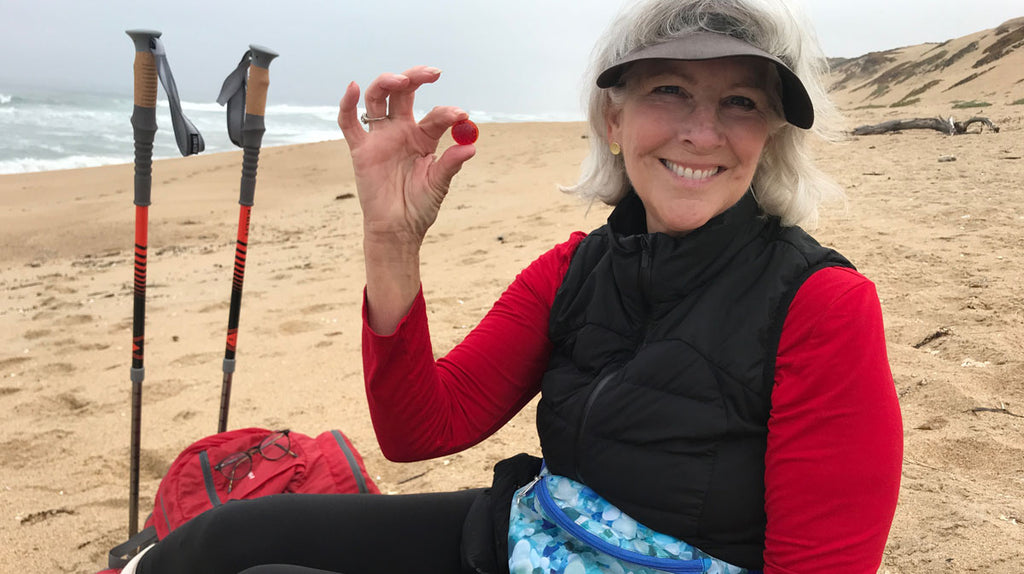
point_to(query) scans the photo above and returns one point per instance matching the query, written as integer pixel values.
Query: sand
(942, 240)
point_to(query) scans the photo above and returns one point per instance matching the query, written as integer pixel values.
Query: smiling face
(691, 133)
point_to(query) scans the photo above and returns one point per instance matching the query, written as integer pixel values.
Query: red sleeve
(422, 408)
(835, 437)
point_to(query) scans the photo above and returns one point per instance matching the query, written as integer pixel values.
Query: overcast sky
(512, 56)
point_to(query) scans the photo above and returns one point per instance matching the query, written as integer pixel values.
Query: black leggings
(319, 533)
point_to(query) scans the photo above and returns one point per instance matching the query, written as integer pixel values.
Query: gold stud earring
(615, 148)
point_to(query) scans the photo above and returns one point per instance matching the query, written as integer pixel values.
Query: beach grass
(970, 104)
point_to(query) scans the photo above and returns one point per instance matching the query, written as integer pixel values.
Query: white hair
(786, 183)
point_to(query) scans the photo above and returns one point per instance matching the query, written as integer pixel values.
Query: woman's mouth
(690, 173)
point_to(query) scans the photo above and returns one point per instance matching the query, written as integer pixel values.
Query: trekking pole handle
(145, 67)
(144, 114)
(253, 126)
(259, 79)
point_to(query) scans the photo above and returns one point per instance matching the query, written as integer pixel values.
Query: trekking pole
(144, 128)
(248, 134)
(150, 66)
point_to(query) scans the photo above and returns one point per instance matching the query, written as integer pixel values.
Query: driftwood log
(947, 126)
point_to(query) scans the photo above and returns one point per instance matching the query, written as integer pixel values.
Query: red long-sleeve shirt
(835, 445)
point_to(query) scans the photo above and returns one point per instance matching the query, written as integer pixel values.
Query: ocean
(46, 130)
(43, 130)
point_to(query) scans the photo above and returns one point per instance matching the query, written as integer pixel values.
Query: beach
(942, 240)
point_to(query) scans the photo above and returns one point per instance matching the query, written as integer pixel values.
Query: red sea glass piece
(464, 132)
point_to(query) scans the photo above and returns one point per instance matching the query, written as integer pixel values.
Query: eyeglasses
(237, 465)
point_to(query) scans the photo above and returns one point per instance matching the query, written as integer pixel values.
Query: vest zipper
(583, 419)
(645, 289)
(645, 268)
(646, 286)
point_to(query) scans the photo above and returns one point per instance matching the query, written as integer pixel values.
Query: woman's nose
(702, 127)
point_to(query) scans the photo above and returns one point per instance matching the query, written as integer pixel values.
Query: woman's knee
(223, 530)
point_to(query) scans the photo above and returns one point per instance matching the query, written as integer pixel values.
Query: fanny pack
(558, 525)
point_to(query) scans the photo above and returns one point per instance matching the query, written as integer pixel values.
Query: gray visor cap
(708, 45)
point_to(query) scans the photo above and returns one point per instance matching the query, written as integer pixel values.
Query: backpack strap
(211, 490)
(123, 552)
(352, 463)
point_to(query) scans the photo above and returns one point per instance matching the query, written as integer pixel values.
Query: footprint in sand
(296, 327)
(8, 364)
(71, 402)
(194, 359)
(160, 390)
(215, 307)
(59, 343)
(57, 406)
(185, 415)
(477, 256)
(93, 346)
(55, 304)
(24, 449)
(33, 334)
(72, 320)
(153, 463)
(57, 369)
(318, 308)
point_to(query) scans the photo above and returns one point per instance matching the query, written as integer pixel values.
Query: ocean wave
(195, 106)
(32, 164)
(327, 113)
(58, 130)
(46, 117)
(303, 137)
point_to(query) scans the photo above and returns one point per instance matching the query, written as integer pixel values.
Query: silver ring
(367, 119)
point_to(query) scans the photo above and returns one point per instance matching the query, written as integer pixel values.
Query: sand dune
(973, 72)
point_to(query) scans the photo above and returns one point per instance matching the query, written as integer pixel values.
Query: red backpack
(247, 463)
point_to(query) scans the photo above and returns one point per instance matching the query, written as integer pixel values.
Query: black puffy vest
(658, 390)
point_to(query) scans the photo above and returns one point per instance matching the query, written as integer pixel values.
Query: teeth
(688, 173)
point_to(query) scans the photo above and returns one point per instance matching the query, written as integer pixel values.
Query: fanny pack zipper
(667, 564)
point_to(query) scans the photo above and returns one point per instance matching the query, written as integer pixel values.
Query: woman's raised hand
(400, 181)
(401, 184)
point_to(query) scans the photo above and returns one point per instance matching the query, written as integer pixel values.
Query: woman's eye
(741, 102)
(674, 90)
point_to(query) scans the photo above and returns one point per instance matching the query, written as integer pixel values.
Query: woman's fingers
(348, 121)
(444, 169)
(377, 93)
(438, 120)
(391, 96)
(401, 104)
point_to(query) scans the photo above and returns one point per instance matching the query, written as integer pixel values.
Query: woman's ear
(776, 126)
(612, 119)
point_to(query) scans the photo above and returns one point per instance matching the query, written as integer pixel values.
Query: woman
(706, 369)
